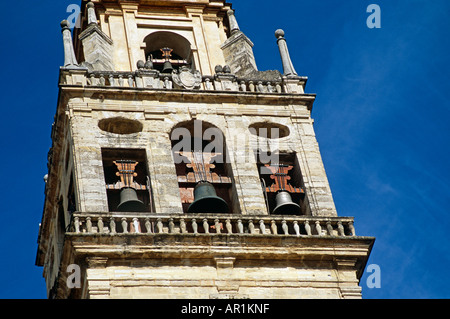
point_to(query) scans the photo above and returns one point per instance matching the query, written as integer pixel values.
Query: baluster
(308, 228)
(194, 226)
(111, 80)
(341, 229)
(296, 228)
(269, 87)
(262, 227)
(120, 80)
(92, 79)
(208, 84)
(284, 226)
(217, 225)
(273, 227)
(102, 80)
(130, 80)
(77, 224)
(159, 226)
(318, 228)
(148, 225)
(240, 226)
(89, 224)
(183, 226)
(329, 228)
(136, 225)
(251, 227)
(100, 225)
(278, 88)
(243, 86)
(171, 226)
(112, 225)
(124, 225)
(352, 228)
(229, 226)
(206, 225)
(167, 83)
(260, 87)
(251, 86)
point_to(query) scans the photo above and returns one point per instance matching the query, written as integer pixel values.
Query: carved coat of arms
(187, 79)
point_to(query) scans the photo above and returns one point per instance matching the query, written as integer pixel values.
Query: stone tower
(180, 170)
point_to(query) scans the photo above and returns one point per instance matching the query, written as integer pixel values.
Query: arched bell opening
(168, 51)
(203, 171)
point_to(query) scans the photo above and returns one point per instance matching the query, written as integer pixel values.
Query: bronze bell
(129, 201)
(285, 205)
(206, 200)
(168, 68)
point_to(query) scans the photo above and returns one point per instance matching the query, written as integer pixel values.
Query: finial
(149, 63)
(65, 25)
(92, 18)
(218, 69)
(70, 60)
(279, 33)
(226, 69)
(140, 64)
(234, 27)
(288, 67)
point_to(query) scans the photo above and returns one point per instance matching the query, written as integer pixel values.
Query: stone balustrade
(152, 79)
(144, 223)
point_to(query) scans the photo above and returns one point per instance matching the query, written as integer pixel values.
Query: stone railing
(152, 79)
(144, 223)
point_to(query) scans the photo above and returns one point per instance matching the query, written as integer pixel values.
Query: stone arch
(182, 47)
(195, 137)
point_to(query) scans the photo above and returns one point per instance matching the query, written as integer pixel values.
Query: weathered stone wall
(80, 156)
(201, 267)
(200, 279)
(160, 118)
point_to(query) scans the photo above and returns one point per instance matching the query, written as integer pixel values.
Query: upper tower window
(163, 47)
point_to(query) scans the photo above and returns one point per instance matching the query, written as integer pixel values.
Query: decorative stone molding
(224, 262)
(96, 262)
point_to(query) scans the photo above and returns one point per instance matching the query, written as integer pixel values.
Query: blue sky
(381, 119)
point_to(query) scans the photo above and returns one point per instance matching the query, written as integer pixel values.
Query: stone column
(92, 18)
(288, 67)
(70, 61)
(234, 27)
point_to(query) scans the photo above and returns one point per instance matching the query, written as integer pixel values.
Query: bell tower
(180, 170)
